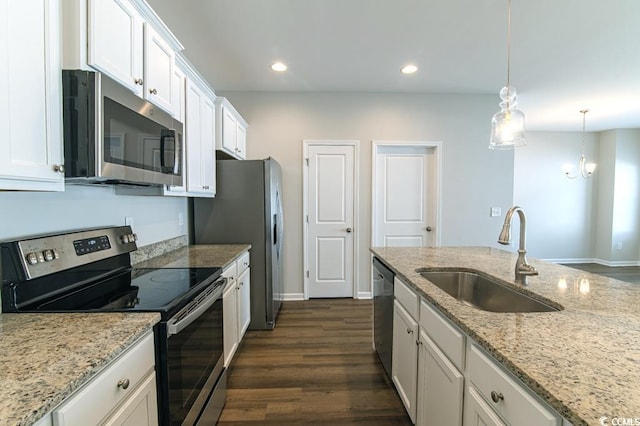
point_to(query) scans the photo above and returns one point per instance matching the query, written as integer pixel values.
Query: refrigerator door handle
(275, 229)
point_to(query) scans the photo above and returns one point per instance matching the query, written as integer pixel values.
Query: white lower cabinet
(404, 366)
(444, 378)
(440, 387)
(477, 412)
(236, 305)
(122, 394)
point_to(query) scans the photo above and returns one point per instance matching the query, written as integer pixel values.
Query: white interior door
(330, 234)
(404, 194)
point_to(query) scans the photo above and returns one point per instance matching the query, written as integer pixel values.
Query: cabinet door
(30, 110)
(404, 367)
(241, 142)
(477, 412)
(199, 138)
(440, 387)
(244, 302)
(159, 63)
(140, 409)
(229, 131)
(116, 42)
(230, 320)
(207, 146)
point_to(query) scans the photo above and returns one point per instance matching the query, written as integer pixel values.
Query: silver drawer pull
(496, 397)
(409, 331)
(123, 383)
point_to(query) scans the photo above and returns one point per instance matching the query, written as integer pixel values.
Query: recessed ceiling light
(409, 69)
(279, 67)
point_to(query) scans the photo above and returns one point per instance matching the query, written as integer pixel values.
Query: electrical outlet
(180, 219)
(619, 246)
(495, 212)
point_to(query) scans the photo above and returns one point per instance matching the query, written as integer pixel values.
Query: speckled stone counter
(44, 358)
(584, 360)
(198, 256)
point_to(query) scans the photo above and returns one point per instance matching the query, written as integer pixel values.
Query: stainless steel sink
(484, 292)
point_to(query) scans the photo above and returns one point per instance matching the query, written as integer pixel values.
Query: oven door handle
(175, 326)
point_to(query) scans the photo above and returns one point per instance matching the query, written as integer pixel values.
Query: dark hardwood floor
(629, 274)
(316, 367)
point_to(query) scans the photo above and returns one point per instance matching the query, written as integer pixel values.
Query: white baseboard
(571, 260)
(610, 263)
(365, 295)
(292, 296)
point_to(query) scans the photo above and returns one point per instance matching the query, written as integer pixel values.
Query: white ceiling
(566, 55)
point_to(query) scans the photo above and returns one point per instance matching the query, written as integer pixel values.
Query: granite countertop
(584, 360)
(44, 357)
(197, 256)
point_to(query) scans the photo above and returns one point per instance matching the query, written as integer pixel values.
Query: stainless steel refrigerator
(247, 208)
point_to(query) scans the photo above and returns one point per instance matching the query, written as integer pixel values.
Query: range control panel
(46, 255)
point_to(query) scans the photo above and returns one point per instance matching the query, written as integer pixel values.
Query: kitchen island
(584, 360)
(46, 357)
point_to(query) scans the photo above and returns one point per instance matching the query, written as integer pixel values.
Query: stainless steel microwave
(113, 136)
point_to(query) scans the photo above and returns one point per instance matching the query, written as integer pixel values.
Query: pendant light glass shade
(507, 125)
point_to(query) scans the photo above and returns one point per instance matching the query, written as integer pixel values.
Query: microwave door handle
(176, 326)
(164, 135)
(177, 154)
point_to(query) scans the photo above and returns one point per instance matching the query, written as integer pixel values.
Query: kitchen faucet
(523, 269)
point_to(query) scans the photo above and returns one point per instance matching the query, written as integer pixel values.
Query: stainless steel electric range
(90, 271)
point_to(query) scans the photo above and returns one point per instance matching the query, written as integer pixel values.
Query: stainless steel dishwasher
(382, 283)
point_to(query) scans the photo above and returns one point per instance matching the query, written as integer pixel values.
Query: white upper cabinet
(159, 59)
(30, 105)
(126, 41)
(231, 131)
(116, 41)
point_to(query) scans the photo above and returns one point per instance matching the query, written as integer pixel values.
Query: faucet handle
(526, 269)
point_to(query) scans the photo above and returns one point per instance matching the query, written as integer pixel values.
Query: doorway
(405, 194)
(330, 218)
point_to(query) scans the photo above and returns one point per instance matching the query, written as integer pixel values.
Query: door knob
(428, 228)
(349, 230)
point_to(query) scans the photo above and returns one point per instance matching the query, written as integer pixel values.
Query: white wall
(474, 178)
(560, 211)
(78, 207)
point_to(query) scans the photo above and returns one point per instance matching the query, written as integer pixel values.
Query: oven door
(195, 358)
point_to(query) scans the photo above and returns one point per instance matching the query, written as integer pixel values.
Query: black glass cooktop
(159, 290)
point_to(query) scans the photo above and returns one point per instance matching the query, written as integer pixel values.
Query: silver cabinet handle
(409, 331)
(123, 383)
(58, 168)
(205, 187)
(428, 228)
(138, 81)
(496, 397)
(349, 230)
(153, 91)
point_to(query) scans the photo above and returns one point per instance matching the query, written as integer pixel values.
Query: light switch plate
(495, 212)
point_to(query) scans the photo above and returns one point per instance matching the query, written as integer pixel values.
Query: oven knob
(48, 255)
(125, 238)
(133, 237)
(32, 258)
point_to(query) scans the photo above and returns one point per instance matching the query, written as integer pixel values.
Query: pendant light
(585, 169)
(507, 125)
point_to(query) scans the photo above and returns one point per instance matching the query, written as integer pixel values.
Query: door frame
(437, 196)
(305, 208)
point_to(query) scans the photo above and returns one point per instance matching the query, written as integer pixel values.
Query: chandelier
(584, 169)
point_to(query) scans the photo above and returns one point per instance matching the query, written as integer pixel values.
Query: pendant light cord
(509, 45)
(584, 117)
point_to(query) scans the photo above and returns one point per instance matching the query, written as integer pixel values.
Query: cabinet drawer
(243, 263)
(446, 336)
(517, 406)
(231, 271)
(407, 297)
(100, 396)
